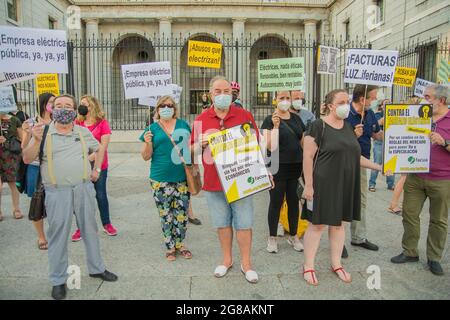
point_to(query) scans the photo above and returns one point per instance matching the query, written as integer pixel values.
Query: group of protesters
(65, 147)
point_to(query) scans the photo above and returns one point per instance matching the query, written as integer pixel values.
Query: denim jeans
(378, 158)
(102, 197)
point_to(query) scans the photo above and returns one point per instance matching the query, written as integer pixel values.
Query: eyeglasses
(166, 106)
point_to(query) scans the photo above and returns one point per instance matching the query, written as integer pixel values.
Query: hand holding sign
(359, 130)
(436, 138)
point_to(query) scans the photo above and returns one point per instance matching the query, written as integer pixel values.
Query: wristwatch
(98, 170)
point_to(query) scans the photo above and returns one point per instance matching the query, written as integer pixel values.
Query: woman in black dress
(332, 182)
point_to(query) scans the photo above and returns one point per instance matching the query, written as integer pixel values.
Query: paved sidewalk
(137, 255)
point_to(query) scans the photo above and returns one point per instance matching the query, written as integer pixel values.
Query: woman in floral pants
(167, 175)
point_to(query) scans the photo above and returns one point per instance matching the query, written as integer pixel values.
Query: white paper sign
(173, 90)
(7, 79)
(420, 87)
(7, 102)
(327, 60)
(28, 50)
(371, 67)
(146, 79)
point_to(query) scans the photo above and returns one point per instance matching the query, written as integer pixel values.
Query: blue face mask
(223, 101)
(166, 113)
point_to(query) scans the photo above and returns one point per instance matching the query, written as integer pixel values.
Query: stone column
(325, 30)
(311, 30)
(238, 58)
(92, 63)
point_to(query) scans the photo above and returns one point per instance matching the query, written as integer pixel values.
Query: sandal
(343, 272)
(185, 253)
(43, 245)
(397, 212)
(314, 281)
(19, 216)
(171, 255)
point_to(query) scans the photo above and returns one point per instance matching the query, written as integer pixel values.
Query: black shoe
(195, 221)
(105, 276)
(344, 253)
(435, 268)
(401, 258)
(59, 292)
(366, 245)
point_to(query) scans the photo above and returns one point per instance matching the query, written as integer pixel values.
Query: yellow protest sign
(405, 77)
(204, 54)
(47, 83)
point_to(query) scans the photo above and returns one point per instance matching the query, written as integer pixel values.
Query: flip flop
(396, 212)
(42, 245)
(343, 272)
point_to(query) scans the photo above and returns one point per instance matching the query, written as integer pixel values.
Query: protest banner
(281, 74)
(405, 77)
(174, 90)
(146, 79)
(443, 75)
(406, 138)
(7, 101)
(204, 54)
(47, 83)
(420, 87)
(9, 78)
(239, 162)
(29, 50)
(370, 67)
(327, 60)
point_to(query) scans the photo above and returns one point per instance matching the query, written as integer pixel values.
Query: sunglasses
(167, 106)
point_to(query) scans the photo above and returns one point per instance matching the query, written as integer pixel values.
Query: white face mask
(284, 105)
(343, 111)
(297, 104)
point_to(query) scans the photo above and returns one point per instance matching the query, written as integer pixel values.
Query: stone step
(125, 141)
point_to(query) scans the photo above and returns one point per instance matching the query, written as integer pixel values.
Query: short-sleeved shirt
(208, 122)
(290, 133)
(440, 158)
(98, 130)
(166, 165)
(371, 126)
(68, 161)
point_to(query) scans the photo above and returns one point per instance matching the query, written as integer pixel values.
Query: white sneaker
(280, 230)
(272, 245)
(296, 243)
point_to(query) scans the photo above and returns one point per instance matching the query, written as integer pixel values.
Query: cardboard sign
(174, 90)
(11, 78)
(28, 50)
(327, 60)
(370, 67)
(281, 74)
(47, 83)
(204, 54)
(146, 79)
(420, 87)
(239, 162)
(7, 102)
(443, 74)
(407, 144)
(405, 77)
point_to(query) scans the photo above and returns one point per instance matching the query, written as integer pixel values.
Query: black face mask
(83, 110)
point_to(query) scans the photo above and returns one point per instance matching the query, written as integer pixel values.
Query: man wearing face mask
(299, 108)
(236, 89)
(360, 113)
(434, 185)
(67, 180)
(238, 215)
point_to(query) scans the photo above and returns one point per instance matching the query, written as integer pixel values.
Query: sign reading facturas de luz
(371, 67)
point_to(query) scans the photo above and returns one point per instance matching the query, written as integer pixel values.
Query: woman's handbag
(37, 205)
(193, 178)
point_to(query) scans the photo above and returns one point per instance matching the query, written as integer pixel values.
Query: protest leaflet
(327, 60)
(7, 102)
(173, 90)
(281, 74)
(420, 87)
(47, 83)
(405, 77)
(239, 162)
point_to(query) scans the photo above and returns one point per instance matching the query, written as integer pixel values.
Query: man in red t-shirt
(222, 115)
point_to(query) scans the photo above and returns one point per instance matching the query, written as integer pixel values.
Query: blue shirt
(166, 165)
(371, 126)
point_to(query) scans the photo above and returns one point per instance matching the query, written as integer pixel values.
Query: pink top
(440, 158)
(98, 130)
